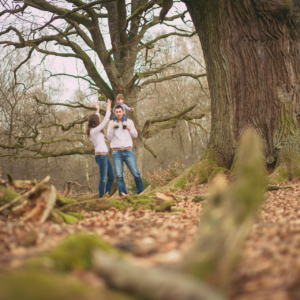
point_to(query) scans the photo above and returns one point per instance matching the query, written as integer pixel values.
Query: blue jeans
(124, 118)
(127, 156)
(106, 174)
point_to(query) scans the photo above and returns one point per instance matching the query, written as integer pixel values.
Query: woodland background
(21, 115)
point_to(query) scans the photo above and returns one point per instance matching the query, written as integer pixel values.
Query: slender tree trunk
(251, 50)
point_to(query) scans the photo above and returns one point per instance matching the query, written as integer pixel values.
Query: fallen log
(135, 202)
(150, 283)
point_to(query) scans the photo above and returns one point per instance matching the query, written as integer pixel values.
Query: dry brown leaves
(270, 262)
(152, 238)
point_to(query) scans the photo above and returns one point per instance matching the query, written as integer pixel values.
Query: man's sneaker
(124, 125)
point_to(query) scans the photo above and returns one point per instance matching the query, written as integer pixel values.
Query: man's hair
(119, 106)
(120, 96)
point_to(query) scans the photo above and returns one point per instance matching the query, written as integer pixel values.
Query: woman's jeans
(127, 156)
(106, 174)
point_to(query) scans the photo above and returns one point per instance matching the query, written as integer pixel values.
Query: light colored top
(125, 107)
(97, 137)
(120, 137)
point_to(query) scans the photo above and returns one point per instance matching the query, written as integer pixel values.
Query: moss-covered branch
(154, 283)
(227, 216)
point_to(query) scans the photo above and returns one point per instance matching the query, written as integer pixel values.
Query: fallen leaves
(270, 263)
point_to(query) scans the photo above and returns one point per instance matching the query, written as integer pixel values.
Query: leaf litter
(269, 267)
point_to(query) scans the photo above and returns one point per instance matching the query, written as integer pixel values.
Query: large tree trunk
(252, 55)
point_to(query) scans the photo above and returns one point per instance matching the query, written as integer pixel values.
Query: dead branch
(153, 283)
(27, 194)
(69, 187)
(278, 187)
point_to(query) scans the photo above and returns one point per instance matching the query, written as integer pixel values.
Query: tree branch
(164, 119)
(165, 36)
(15, 11)
(78, 105)
(150, 150)
(167, 4)
(158, 80)
(46, 154)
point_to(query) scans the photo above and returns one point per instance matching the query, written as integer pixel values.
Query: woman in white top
(95, 131)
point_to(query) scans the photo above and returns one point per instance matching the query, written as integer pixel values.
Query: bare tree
(74, 29)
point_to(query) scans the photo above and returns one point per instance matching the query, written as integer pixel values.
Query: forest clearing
(149, 149)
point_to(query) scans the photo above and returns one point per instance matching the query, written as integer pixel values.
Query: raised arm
(106, 118)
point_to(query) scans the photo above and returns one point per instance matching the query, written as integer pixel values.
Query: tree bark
(251, 50)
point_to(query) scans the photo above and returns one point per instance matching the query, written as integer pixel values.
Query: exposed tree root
(285, 172)
(288, 162)
(203, 171)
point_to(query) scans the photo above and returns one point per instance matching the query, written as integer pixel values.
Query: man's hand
(132, 109)
(128, 128)
(109, 102)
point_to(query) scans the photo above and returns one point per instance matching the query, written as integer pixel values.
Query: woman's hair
(93, 122)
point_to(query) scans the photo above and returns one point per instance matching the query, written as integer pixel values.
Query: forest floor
(269, 267)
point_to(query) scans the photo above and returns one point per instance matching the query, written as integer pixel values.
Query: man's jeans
(106, 174)
(127, 156)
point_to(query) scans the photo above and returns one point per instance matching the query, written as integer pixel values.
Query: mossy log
(153, 283)
(135, 202)
(32, 284)
(85, 197)
(75, 252)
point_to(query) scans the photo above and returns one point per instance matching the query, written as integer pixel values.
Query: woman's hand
(96, 106)
(109, 104)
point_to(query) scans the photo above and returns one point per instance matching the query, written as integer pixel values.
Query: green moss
(166, 206)
(181, 183)
(76, 252)
(78, 216)
(139, 202)
(199, 198)
(61, 201)
(217, 171)
(117, 204)
(7, 195)
(177, 210)
(36, 285)
(69, 219)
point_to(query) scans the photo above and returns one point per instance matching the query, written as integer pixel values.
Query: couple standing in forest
(119, 132)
